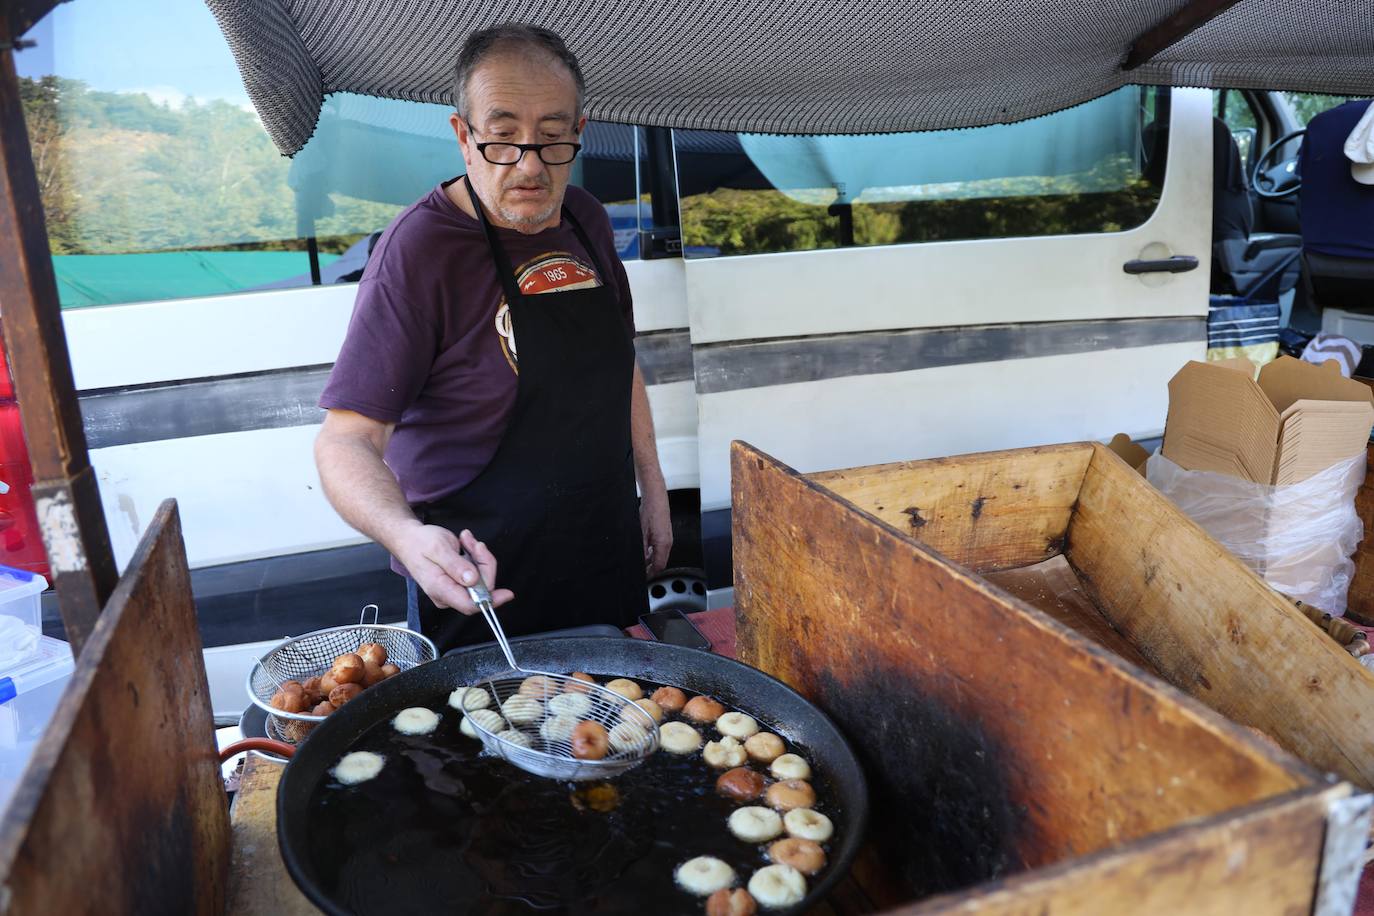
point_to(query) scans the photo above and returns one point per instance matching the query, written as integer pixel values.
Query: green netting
(108, 279)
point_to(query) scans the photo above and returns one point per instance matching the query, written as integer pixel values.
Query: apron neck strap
(503, 267)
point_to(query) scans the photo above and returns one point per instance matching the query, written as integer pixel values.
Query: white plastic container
(29, 693)
(21, 616)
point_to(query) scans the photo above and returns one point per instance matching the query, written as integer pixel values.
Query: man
(486, 403)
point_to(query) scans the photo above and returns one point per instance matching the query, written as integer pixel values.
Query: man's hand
(437, 562)
(656, 525)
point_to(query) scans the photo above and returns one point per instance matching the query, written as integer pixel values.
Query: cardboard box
(1295, 421)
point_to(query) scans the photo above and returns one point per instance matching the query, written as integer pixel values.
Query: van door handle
(1178, 264)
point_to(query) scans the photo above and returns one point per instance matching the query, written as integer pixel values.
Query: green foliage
(753, 222)
(121, 174)
(1307, 105)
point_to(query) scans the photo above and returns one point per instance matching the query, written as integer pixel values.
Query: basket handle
(280, 748)
(376, 614)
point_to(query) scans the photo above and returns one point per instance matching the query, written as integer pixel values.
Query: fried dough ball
(789, 794)
(649, 706)
(764, 747)
(417, 720)
(576, 705)
(347, 669)
(372, 674)
(790, 766)
(724, 754)
(742, 784)
(726, 902)
(373, 652)
(327, 684)
(557, 728)
(522, 710)
(290, 698)
(323, 708)
(313, 693)
(627, 736)
(703, 709)
(589, 740)
(679, 738)
(776, 886)
(489, 719)
(626, 688)
(359, 766)
(390, 670)
(518, 738)
(582, 676)
(737, 725)
(808, 825)
(538, 687)
(343, 693)
(466, 699)
(704, 875)
(755, 824)
(669, 699)
(806, 856)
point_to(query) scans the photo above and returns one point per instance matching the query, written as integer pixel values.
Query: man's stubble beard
(520, 220)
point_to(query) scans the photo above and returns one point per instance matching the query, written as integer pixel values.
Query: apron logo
(551, 272)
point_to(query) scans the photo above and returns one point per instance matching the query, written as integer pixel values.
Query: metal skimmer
(537, 709)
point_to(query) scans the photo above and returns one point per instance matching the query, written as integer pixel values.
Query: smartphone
(673, 627)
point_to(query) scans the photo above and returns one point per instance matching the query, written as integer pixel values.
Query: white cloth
(1343, 350)
(1359, 148)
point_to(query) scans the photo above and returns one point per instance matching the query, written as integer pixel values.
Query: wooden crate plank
(1215, 629)
(983, 511)
(122, 807)
(1263, 862)
(994, 738)
(258, 882)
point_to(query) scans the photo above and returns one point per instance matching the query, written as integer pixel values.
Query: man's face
(519, 98)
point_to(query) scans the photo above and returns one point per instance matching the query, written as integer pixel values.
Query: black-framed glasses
(510, 153)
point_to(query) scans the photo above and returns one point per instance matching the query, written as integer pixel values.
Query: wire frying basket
(311, 655)
(533, 721)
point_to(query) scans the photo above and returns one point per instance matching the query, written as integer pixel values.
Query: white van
(835, 301)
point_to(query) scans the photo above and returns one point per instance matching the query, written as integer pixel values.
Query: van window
(1098, 167)
(1307, 105)
(159, 182)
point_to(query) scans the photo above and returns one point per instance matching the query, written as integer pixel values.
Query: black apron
(557, 503)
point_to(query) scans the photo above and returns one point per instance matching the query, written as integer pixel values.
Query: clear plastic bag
(1299, 538)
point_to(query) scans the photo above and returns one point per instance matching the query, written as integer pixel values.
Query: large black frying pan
(776, 706)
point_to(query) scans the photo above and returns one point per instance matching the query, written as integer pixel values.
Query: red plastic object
(21, 544)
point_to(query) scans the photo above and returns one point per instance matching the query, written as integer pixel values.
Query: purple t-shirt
(430, 346)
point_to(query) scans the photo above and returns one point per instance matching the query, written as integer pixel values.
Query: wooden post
(65, 492)
(1184, 22)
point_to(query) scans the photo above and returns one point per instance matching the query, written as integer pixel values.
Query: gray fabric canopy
(798, 66)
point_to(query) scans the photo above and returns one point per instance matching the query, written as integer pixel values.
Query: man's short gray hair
(512, 36)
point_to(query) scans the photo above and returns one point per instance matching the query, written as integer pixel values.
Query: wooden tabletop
(258, 882)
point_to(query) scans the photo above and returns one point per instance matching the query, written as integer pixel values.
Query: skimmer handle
(481, 596)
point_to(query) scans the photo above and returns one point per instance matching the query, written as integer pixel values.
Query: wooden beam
(70, 514)
(20, 15)
(1189, 18)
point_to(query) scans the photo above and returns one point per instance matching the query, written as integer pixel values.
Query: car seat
(1251, 266)
(1337, 215)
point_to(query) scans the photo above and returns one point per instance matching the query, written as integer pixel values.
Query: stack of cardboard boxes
(1292, 423)
(1278, 430)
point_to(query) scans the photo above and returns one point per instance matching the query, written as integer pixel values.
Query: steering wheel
(1281, 179)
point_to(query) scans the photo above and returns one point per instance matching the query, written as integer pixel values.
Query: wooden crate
(1002, 744)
